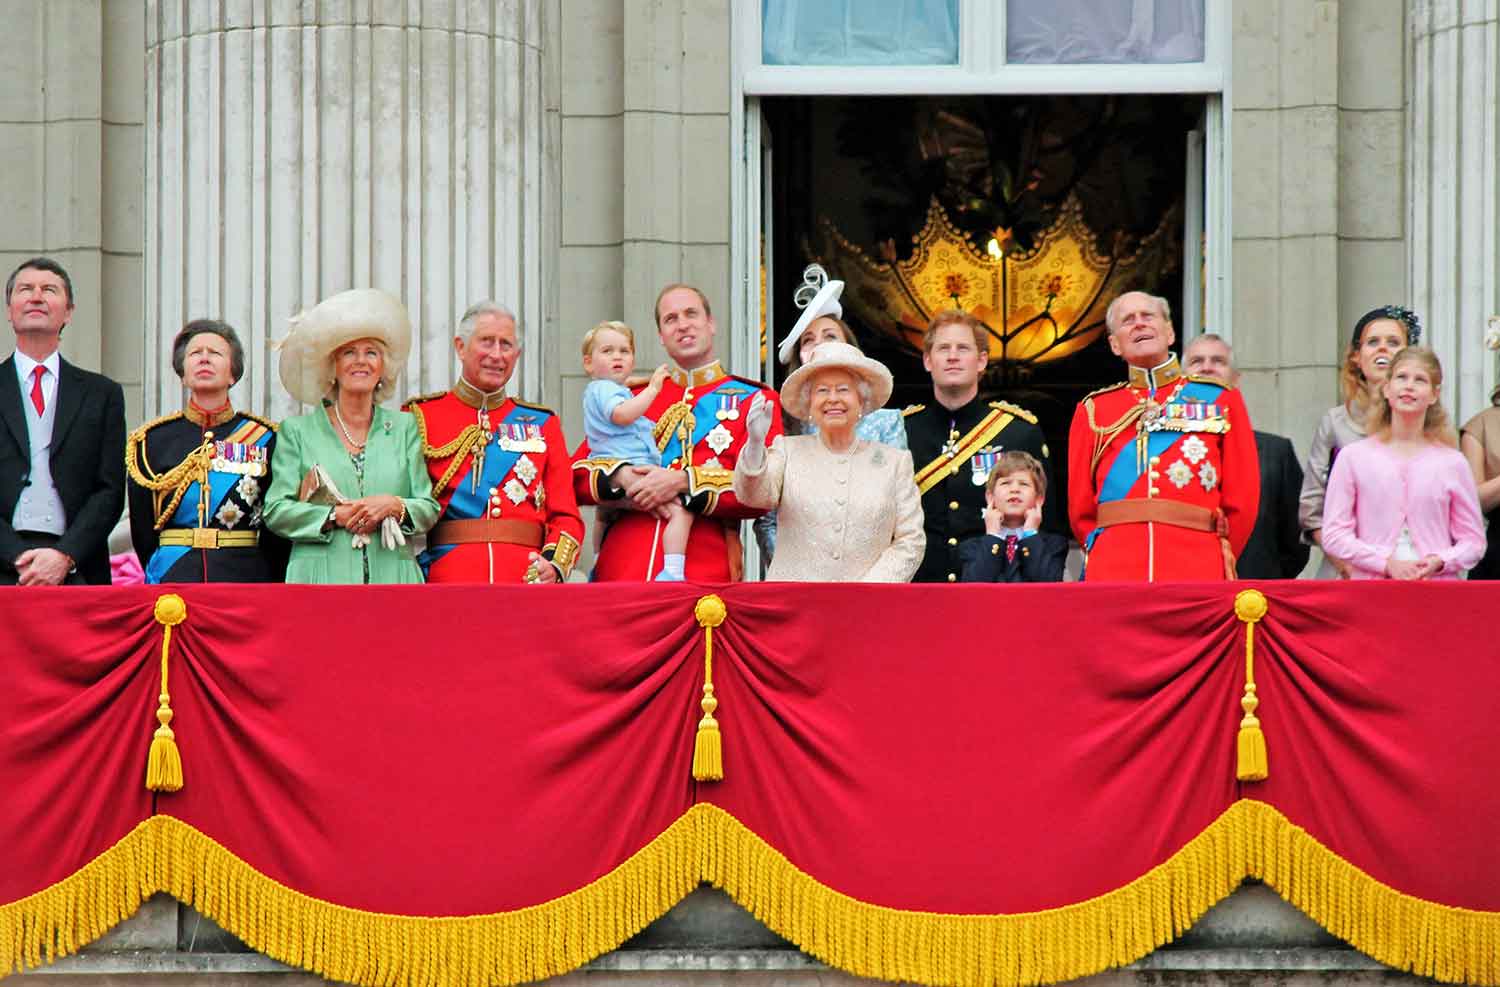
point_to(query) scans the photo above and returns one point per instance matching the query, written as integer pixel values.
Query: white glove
(390, 534)
(758, 421)
(757, 425)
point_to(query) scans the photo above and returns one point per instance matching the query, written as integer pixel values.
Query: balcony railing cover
(974, 784)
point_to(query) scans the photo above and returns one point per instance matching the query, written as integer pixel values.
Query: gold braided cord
(1250, 839)
(459, 449)
(1104, 436)
(172, 484)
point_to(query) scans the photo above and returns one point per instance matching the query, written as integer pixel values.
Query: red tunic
(1186, 440)
(706, 406)
(525, 477)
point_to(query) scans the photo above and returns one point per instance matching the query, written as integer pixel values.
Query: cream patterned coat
(853, 516)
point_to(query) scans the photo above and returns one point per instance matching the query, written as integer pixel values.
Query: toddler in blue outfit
(615, 422)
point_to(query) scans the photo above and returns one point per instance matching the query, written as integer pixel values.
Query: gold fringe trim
(1250, 839)
(707, 843)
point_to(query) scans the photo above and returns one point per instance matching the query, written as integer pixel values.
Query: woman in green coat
(349, 484)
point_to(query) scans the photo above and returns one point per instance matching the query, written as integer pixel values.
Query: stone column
(295, 149)
(1455, 187)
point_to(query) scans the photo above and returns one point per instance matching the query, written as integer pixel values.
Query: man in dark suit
(62, 443)
(1275, 549)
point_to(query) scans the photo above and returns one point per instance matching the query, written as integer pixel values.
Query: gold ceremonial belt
(209, 538)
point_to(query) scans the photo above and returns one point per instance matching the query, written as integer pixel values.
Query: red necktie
(39, 402)
(1011, 541)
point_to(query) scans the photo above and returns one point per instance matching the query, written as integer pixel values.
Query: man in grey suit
(62, 443)
(1275, 549)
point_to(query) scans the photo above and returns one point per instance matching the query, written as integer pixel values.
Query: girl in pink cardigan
(1402, 504)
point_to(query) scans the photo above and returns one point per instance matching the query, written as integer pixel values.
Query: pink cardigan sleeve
(1465, 522)
(1340, 523)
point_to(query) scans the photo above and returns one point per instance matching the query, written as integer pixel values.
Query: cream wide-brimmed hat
(836, 356)
(315, 335)
(818, 297)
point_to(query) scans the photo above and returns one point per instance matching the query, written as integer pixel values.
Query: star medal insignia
(514, 490)
(525, 469)
(950, 448)
(719, 439)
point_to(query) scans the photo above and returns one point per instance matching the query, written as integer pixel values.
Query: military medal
(729, 406)
(984, 460)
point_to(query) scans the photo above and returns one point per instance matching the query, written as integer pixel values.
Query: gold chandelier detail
(1040, 304)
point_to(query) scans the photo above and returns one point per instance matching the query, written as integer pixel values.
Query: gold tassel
(164, 763)
(708, 747)
(1250, 607)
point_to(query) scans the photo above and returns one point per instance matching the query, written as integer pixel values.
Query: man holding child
(698, 425)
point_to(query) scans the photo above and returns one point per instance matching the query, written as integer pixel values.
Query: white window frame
(982, 70)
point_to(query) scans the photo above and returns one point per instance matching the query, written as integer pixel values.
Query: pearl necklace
(358, 446)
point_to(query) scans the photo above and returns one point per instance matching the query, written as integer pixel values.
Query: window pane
(1103, 31)
(859, 32)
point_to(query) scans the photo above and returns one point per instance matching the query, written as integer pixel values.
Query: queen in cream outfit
(848, 508)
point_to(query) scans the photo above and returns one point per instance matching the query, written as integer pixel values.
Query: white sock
(673, 566)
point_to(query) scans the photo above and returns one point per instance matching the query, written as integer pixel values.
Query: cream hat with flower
(834, 355)
(362, 313)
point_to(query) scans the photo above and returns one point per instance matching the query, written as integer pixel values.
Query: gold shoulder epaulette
(1014, 409)
(534, 407)
(262, 419)
(911, 409)
(140, 432)
(419, 398)
(1200, 379)
(758, 385)
(1106, 390)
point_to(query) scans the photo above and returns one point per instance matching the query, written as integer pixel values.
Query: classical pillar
(1455, 187)
(297, 149)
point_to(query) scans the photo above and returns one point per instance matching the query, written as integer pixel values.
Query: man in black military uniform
(956, 439)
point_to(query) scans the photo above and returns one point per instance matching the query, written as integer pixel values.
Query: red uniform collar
(208, 419)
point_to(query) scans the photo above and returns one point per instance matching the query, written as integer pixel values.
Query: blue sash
(466, 504)
(704, 418)
(186, 515)
(1126, 469)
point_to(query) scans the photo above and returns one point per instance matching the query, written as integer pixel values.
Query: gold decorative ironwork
(1040, 304)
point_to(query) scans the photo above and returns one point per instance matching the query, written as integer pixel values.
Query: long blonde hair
(1436, 426)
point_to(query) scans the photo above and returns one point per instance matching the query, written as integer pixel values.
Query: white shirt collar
(25, 365)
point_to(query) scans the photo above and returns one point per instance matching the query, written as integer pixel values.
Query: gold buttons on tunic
(953, 541)
(952, 505)
(952, 578)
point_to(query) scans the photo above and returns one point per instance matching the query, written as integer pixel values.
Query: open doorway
(1032, 212)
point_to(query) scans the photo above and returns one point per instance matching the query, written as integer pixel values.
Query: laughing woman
(345, 356)
(1402, 503)
(1377, 336)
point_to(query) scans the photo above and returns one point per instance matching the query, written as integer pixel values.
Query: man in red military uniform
(700, 427)
(499, 467)
(1163, 477)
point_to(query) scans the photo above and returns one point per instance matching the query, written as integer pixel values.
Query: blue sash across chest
(471, 500)
(1126, 468)
(728, 392)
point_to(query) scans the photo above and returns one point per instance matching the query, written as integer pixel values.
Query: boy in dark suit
(1013, 549)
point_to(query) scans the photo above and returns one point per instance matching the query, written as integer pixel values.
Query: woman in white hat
(822, 321)
(848, 508)
(348, 479)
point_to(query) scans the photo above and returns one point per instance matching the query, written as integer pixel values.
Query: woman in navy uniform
(197, 477)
